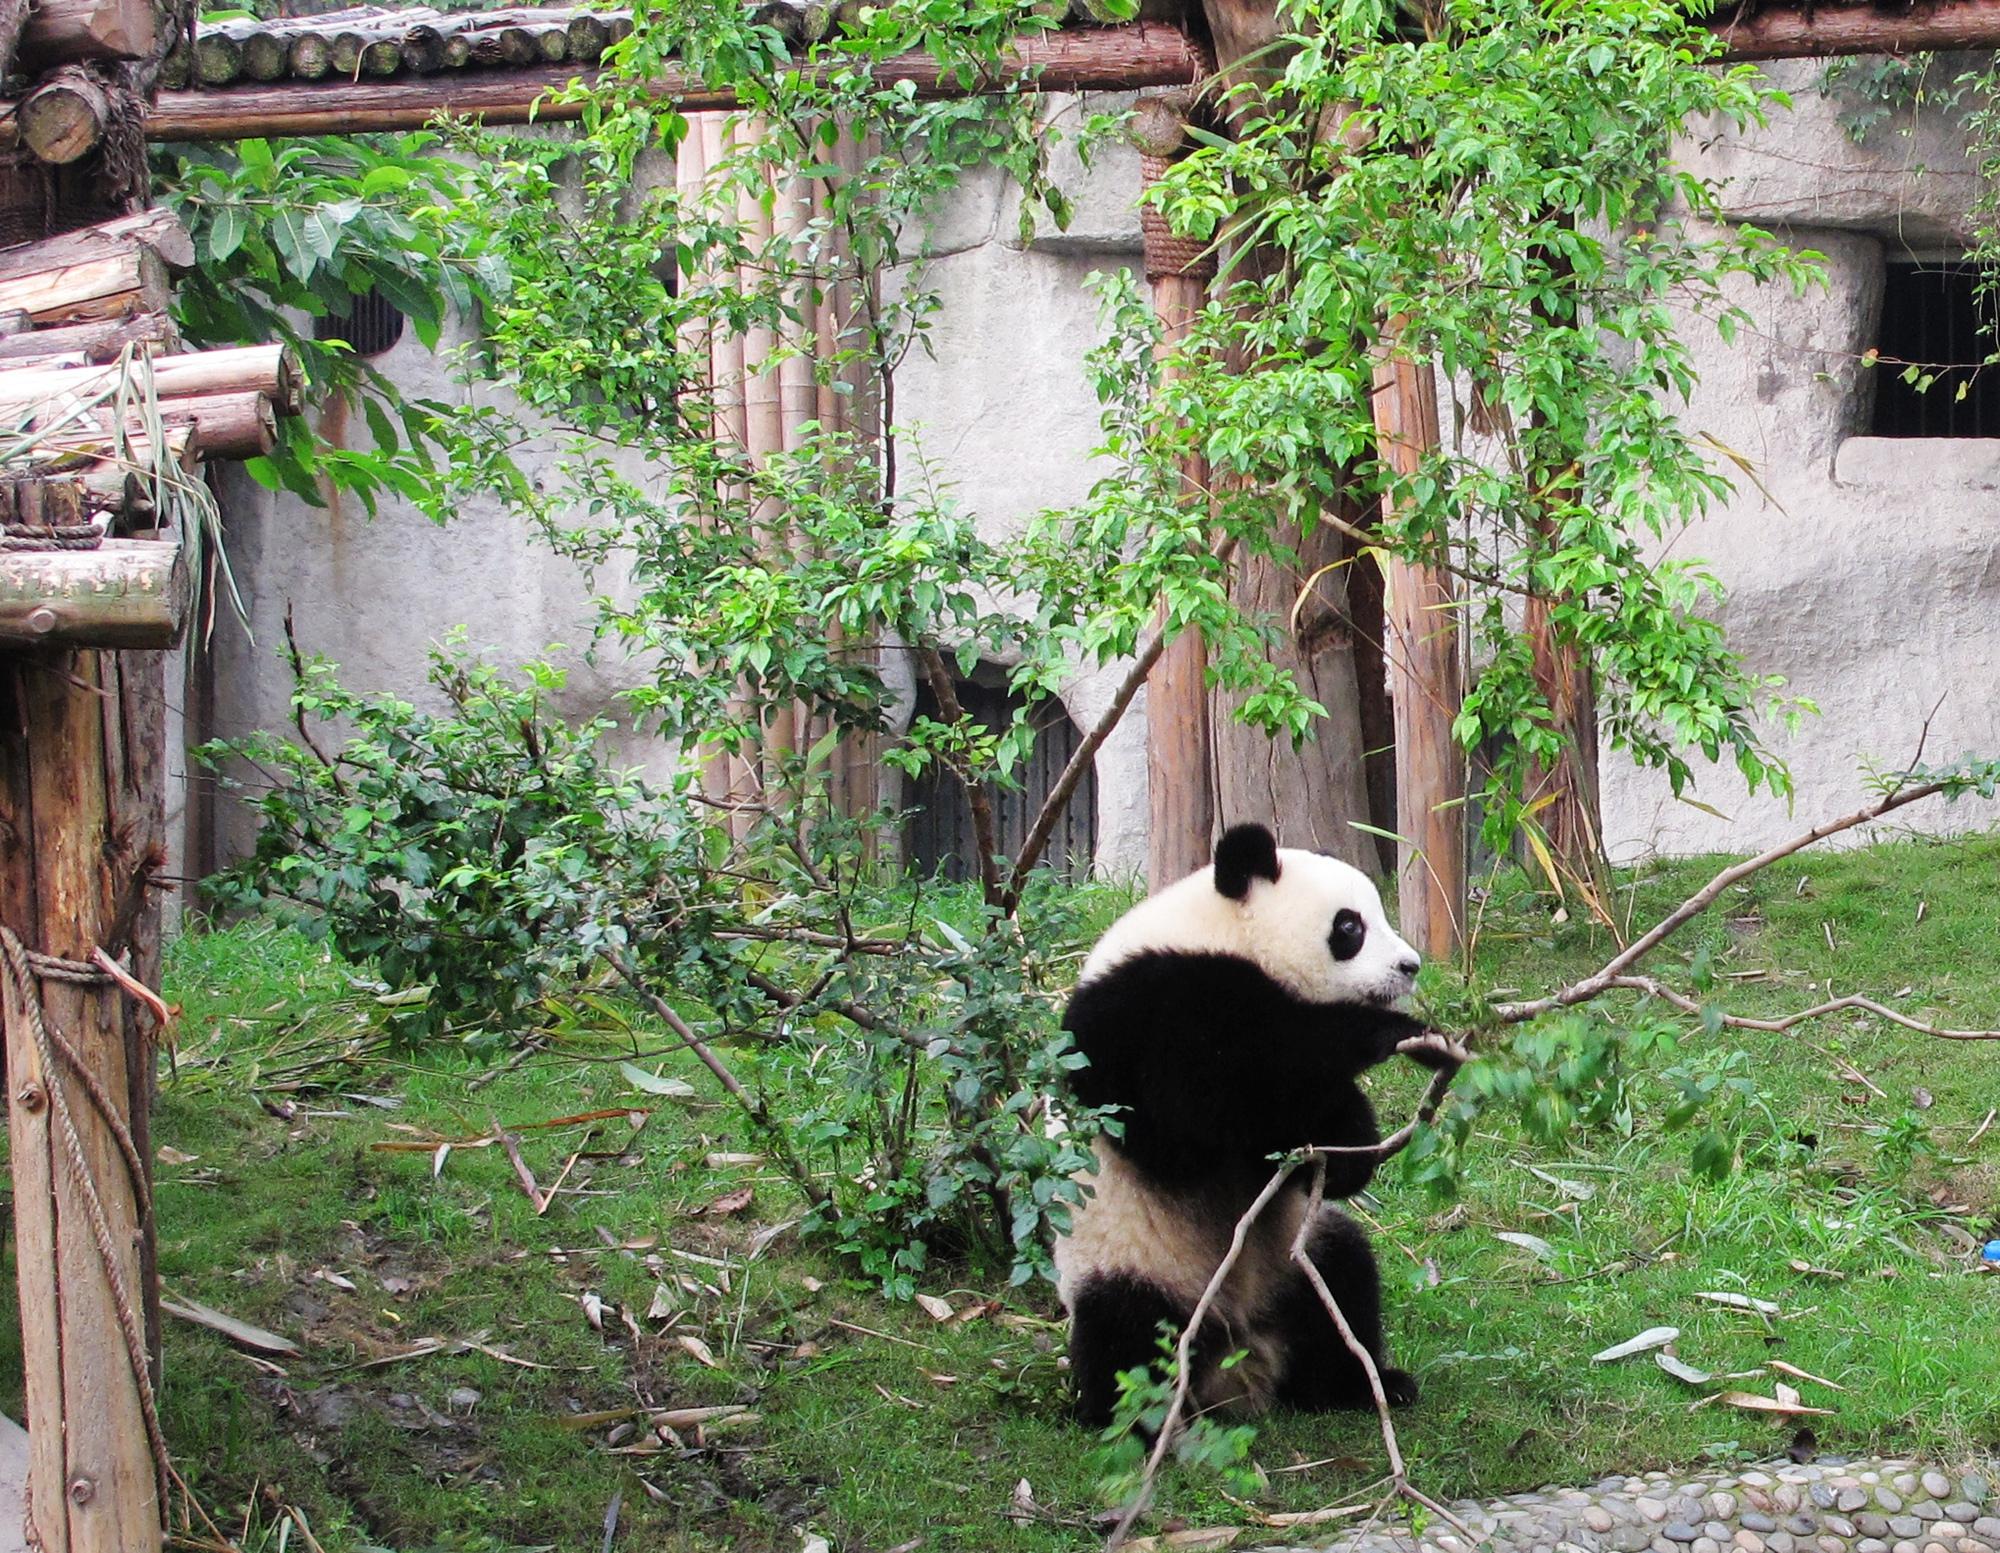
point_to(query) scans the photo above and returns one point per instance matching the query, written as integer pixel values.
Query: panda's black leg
(1321, 1372)
(1114, 1325)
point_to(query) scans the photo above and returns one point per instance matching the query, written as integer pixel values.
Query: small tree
(1506, 202)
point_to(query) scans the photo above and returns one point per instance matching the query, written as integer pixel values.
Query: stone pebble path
(1834, 1505)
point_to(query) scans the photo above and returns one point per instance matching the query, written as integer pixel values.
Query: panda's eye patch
(1348, 935)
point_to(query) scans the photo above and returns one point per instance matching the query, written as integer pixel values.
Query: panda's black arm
(1214, 1067)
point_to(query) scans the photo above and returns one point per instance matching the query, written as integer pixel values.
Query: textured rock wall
(1863, 570)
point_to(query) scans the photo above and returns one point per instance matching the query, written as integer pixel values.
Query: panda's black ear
(1245, 852)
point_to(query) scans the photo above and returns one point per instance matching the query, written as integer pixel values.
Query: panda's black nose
(1410, 966)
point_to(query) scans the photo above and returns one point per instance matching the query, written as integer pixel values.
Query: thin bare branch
(1079, 766)
(1784, 1022)
(985, 833)
(751, 1105)
(1183, 1353)
(1604, 980)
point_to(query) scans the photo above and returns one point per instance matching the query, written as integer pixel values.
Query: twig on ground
(521, 1171)
(1784, 1022)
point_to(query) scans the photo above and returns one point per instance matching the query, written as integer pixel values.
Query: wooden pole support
(92, 1486)
(1426, 685)
(127, 593)
(1180, 753)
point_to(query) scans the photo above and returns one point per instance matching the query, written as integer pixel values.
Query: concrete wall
(1866, 571)
(1863, 571)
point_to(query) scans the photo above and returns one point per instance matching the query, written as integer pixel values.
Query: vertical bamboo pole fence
(1180, 781)
(1426, 683)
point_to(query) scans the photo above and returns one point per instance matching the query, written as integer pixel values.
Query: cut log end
(63, 120)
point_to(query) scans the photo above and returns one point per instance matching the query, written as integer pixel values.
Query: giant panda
(1227, 1019)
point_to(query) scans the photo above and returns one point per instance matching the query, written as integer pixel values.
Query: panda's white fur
(1222, 1024)
(1279, 926)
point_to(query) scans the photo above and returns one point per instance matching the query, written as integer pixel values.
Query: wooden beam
(127, 593)
(1826, 31)
(272, 370)
(1109, 59)
(1426, 686)
(57, 32)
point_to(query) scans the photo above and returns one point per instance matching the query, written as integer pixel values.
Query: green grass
(922, 1434)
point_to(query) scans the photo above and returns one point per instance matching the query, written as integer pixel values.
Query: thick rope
(21, 970)
(38, 536)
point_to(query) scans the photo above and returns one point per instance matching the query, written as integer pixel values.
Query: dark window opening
(1936, 316)
(938, 833)
(371, 324)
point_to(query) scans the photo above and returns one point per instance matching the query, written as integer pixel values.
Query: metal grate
(938, 834)
(1935, 315)
(371, 325)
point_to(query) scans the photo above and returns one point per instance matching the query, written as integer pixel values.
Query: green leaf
(225, 232)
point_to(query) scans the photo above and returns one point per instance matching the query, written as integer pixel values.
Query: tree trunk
(1310, 796)
(1180, 782)
(1426, 685)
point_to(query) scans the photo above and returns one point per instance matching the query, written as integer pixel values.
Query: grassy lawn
(651, 1282)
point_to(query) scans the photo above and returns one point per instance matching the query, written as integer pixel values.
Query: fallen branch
(1784, 1022)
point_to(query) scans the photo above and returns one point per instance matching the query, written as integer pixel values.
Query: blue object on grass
(1991, 1253)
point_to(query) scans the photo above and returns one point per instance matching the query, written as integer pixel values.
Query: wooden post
(1180, 782)
(1425, 684)
(67, 873)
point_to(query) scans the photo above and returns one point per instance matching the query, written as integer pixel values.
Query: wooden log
(1426, 685)
(1827, 31)
(115, 287)
(178, 67)
(271, 370)
(91, 342)
(307, 57)
(1112, 59)
(224, 425)
(58, 32)
(159, 230)
(218, 57)
(127, 593)
(92, 1486)
(1180, 747)
(63, 119)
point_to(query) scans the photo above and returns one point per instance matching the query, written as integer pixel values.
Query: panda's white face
(1317, 928)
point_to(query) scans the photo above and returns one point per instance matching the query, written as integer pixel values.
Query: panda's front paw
(1399, 1386)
